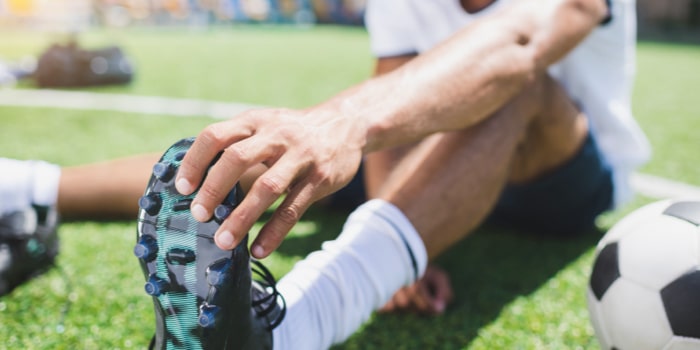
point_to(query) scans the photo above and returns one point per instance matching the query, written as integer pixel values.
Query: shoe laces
(267, 302)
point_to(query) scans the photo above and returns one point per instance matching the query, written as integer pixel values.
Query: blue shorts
(563, 202)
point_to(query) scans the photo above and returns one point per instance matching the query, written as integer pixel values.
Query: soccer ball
(644, 291)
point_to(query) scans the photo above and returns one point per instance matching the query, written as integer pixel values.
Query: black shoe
(28, 245)
(204, 297)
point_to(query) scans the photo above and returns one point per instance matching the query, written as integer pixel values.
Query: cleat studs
(150, 203)
(207, 315)
(179, 256)
(146, 248)
(147, 229)
(182, 204)
(155, 286)
(163, 171)
(222, 211)
(218, 272)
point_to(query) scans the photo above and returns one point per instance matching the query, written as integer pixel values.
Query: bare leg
(110, 189)
(105, 190)
(461, 174)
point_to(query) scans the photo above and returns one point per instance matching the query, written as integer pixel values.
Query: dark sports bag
(70, 66)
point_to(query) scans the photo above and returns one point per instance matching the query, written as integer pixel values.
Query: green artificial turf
(514, 290)
(666, 104)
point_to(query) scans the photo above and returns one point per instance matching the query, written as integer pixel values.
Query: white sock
(333, 291)
(27, 182)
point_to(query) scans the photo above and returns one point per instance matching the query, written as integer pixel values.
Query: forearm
(467, 78)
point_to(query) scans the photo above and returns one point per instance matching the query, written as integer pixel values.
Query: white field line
(660, 188)
(177, 107)
(647, 185)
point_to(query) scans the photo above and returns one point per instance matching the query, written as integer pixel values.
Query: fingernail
(258, 251)
(183, 186)
(225, 240)
(200, 213)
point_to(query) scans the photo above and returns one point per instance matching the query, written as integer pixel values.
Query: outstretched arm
(314, 152)
(478, 70)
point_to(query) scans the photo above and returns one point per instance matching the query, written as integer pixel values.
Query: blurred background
(81, 14)
(64, 25)
(69, 21)
(654, 15)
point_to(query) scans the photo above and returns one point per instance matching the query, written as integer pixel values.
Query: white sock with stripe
(333, 291)
(27, 182)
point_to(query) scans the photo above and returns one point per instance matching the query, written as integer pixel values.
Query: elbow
(593, 10)
(569, 23)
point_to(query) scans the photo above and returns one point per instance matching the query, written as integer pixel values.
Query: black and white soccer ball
(644, 291)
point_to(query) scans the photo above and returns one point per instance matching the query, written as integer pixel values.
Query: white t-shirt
(598, 74)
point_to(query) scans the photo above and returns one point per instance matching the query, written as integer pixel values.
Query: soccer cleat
(204, 297)
(28, 245)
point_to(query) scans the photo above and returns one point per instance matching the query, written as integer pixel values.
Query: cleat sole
(193, 283)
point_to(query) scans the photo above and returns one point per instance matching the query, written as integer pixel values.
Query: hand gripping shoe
(28, 245)
(204, 297)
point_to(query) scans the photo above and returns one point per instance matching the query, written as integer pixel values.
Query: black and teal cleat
(204, 297)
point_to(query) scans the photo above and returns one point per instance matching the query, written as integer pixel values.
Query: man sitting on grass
(518, 111)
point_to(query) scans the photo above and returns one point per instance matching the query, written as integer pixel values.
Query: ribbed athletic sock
(333, 291)
(27, 182)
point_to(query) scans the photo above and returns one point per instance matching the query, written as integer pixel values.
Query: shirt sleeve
(390, 27)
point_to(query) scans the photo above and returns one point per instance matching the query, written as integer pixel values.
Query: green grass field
(514, 290)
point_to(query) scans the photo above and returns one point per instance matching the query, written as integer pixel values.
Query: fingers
(264, 192)
(285, 217)
(240, 153)
(212, 140)
(391, 305)
(421, 299)
(295, 161)
(223, 175)
(428, 296)
(412, 299)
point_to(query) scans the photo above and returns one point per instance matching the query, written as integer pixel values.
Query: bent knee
(556, 131)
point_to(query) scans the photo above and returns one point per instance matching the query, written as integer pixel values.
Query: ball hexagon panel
(686, 210)
(635, 317)
(682, 304)
(605, 270)
(659, 251)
